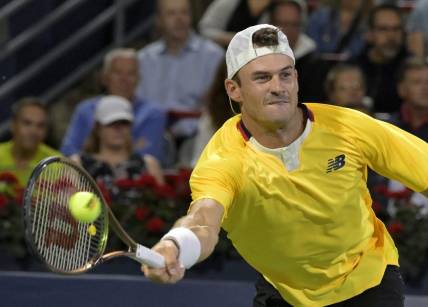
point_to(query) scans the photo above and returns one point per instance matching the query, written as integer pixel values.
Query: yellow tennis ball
(84, 206)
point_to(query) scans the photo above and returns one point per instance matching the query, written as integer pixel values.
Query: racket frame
(135, 251)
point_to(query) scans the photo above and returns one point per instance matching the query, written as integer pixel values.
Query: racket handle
(151, 258)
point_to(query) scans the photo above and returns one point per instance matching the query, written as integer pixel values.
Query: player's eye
(262, 77)
(285, 74)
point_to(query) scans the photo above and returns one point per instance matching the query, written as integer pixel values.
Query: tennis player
(287, 181)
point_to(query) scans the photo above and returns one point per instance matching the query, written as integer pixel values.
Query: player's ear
(233, 90)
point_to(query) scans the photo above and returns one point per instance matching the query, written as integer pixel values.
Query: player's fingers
(156, 275)
(176, 272)
(173, 271)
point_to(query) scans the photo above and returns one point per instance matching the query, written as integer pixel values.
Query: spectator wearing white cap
(287, 182)
(120, 77)
(108, 153)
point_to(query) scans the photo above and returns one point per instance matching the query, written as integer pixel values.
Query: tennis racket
(64, 244)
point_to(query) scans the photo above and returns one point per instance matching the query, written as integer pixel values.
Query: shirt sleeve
(215, 178)
(394, 153)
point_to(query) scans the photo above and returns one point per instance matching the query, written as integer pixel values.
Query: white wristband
(188, 243)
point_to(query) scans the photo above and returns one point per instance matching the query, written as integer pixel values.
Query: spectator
(345, 86)
(382, 57)
(290, 16)
(417, 28)
(120, 77)
(338, 28)
(412, 117)
(413, 89)
(217, 110)
(223, 18)
(29, 127)
(108, 154)
(182, 60)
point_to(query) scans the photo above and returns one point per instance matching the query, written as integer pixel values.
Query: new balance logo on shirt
(336, 163)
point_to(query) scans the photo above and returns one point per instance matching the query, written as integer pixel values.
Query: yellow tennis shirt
(311, 231)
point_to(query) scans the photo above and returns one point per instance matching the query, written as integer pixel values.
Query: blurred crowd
(159, 105)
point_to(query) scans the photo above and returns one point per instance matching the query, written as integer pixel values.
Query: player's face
(414, 88)
(268, 91)
(175, 19)
(29, 128)
(122, 77)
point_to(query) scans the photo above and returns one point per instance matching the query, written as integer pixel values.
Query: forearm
(207, 235)
(192, 239)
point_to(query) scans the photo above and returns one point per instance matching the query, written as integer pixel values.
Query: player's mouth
(273, 102)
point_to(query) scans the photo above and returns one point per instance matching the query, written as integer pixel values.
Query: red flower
(146, 181)
(377, 207)
(395, 228)
(383, 190)
(19, 196)
(125, 183)
(184, 174)
(141, 213)
(155, 224)
(3, 201)
(8, 177)
(165, 191)
(105, 192)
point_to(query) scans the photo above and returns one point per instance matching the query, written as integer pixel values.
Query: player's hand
(173, 270)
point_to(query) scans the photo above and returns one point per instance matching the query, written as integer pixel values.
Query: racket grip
(151, 258)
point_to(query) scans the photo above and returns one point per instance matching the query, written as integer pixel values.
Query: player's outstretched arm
(197, 234)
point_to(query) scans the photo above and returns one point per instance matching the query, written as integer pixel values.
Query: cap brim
(115, 118)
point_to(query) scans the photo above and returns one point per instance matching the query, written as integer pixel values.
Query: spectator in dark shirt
(382, 57)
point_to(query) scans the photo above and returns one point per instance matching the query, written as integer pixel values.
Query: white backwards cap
(241, 49)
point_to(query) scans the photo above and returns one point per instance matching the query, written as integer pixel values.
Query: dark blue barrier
(46, 289)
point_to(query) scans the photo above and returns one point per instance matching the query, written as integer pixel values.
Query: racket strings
(65, 244)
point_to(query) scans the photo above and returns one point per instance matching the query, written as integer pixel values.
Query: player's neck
(280, 136)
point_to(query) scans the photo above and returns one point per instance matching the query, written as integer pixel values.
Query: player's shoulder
(228, 136)
(226, 145)
(332, 116)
